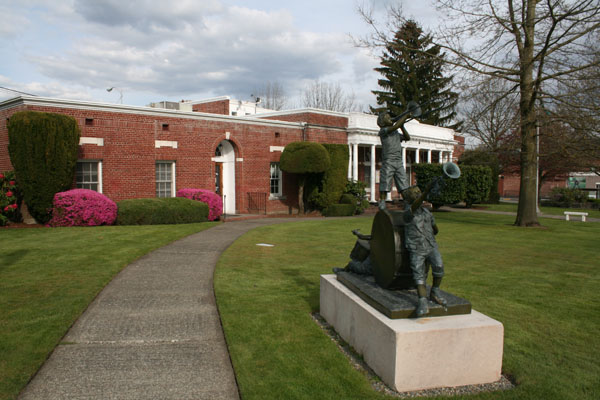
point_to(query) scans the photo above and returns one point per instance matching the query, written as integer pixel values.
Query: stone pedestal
(416, 354)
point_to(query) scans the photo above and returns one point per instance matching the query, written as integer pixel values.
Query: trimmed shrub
(327, 188)
(82, 207)
(43, 150)
(155, 211)
(486, 159)
(9, 198)
(304, 158)
(567, 197)
(339, 210)
(347, 199)
(213, 200)
(454, 189)
(478, 182)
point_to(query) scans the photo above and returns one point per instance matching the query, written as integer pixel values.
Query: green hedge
(485, 159)
(154, 211)
(478, 182)
(339, 210)
(43, 149)
(472, 187)
(454, 190)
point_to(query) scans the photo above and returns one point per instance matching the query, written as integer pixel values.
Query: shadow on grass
(306, 287)
(12, 258)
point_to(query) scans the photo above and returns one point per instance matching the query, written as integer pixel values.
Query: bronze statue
(396, 258)
(420, 230)
(392, 166)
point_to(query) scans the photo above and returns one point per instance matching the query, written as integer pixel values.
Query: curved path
(153, 332)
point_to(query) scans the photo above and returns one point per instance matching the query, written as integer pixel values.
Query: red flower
(14, 206)
(12, 183)
(7, 208)
(9, 194)
(1, 176)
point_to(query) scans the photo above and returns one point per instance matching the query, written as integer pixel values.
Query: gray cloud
(232, 51)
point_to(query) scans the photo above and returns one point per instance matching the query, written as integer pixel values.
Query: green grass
(541, 283)
(512, 207)
(48, 276)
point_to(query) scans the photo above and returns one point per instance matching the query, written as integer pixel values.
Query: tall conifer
(412, 69)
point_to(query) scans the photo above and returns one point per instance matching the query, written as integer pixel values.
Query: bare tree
(536, 45)
(272, 95)
(328, 96)
(490, 113)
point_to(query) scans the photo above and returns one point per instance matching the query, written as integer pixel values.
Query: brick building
(224, 145)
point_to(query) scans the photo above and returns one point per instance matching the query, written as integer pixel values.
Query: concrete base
(416, 354)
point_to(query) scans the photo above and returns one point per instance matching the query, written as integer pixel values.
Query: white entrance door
(225, 170)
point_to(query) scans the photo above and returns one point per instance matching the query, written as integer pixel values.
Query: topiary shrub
(9, 198)
(155, 211)
(82, 207)
(214, 201)
(339, 210)
(304, 158)
(327, 188)
(43, 150)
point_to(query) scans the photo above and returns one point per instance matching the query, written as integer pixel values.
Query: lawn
(541, 283)
(512, 207)
(48, 276)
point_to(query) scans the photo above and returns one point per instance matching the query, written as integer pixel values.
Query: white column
(429, 156)
(417, 156)
(355, 162)
(349, 162)
(451, 154)
(440, 156)
(373, 173)
(404, 157)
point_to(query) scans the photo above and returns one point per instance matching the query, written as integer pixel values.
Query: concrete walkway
(153, 333)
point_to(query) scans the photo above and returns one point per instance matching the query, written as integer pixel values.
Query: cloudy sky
(185, 49)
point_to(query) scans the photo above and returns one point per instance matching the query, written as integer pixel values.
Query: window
(89, 121)
(165, 179)
(275, 182)
(165, 127)
(89, 175)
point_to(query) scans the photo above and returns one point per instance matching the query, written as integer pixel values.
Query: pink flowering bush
(9, 199)
(214, 201)
(82, 207)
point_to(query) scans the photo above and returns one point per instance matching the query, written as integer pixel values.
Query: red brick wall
(129, 155)
(312, 118)
(509, 185)
(5, 164)
(216, 107)
(459, 148)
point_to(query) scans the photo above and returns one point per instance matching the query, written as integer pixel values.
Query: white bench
(579, 214)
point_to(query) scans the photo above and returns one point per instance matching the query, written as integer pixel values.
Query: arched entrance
(225, 175)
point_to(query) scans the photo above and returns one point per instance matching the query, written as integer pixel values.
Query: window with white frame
(275, 181)
(165, 179)
(89, 175)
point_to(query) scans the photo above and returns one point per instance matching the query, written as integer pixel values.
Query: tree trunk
(301, 194)
(527, 210)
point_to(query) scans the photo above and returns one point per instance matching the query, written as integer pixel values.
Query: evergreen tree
(412, 70)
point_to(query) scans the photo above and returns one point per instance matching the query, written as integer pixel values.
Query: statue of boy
(391, 145)
(420, 230)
